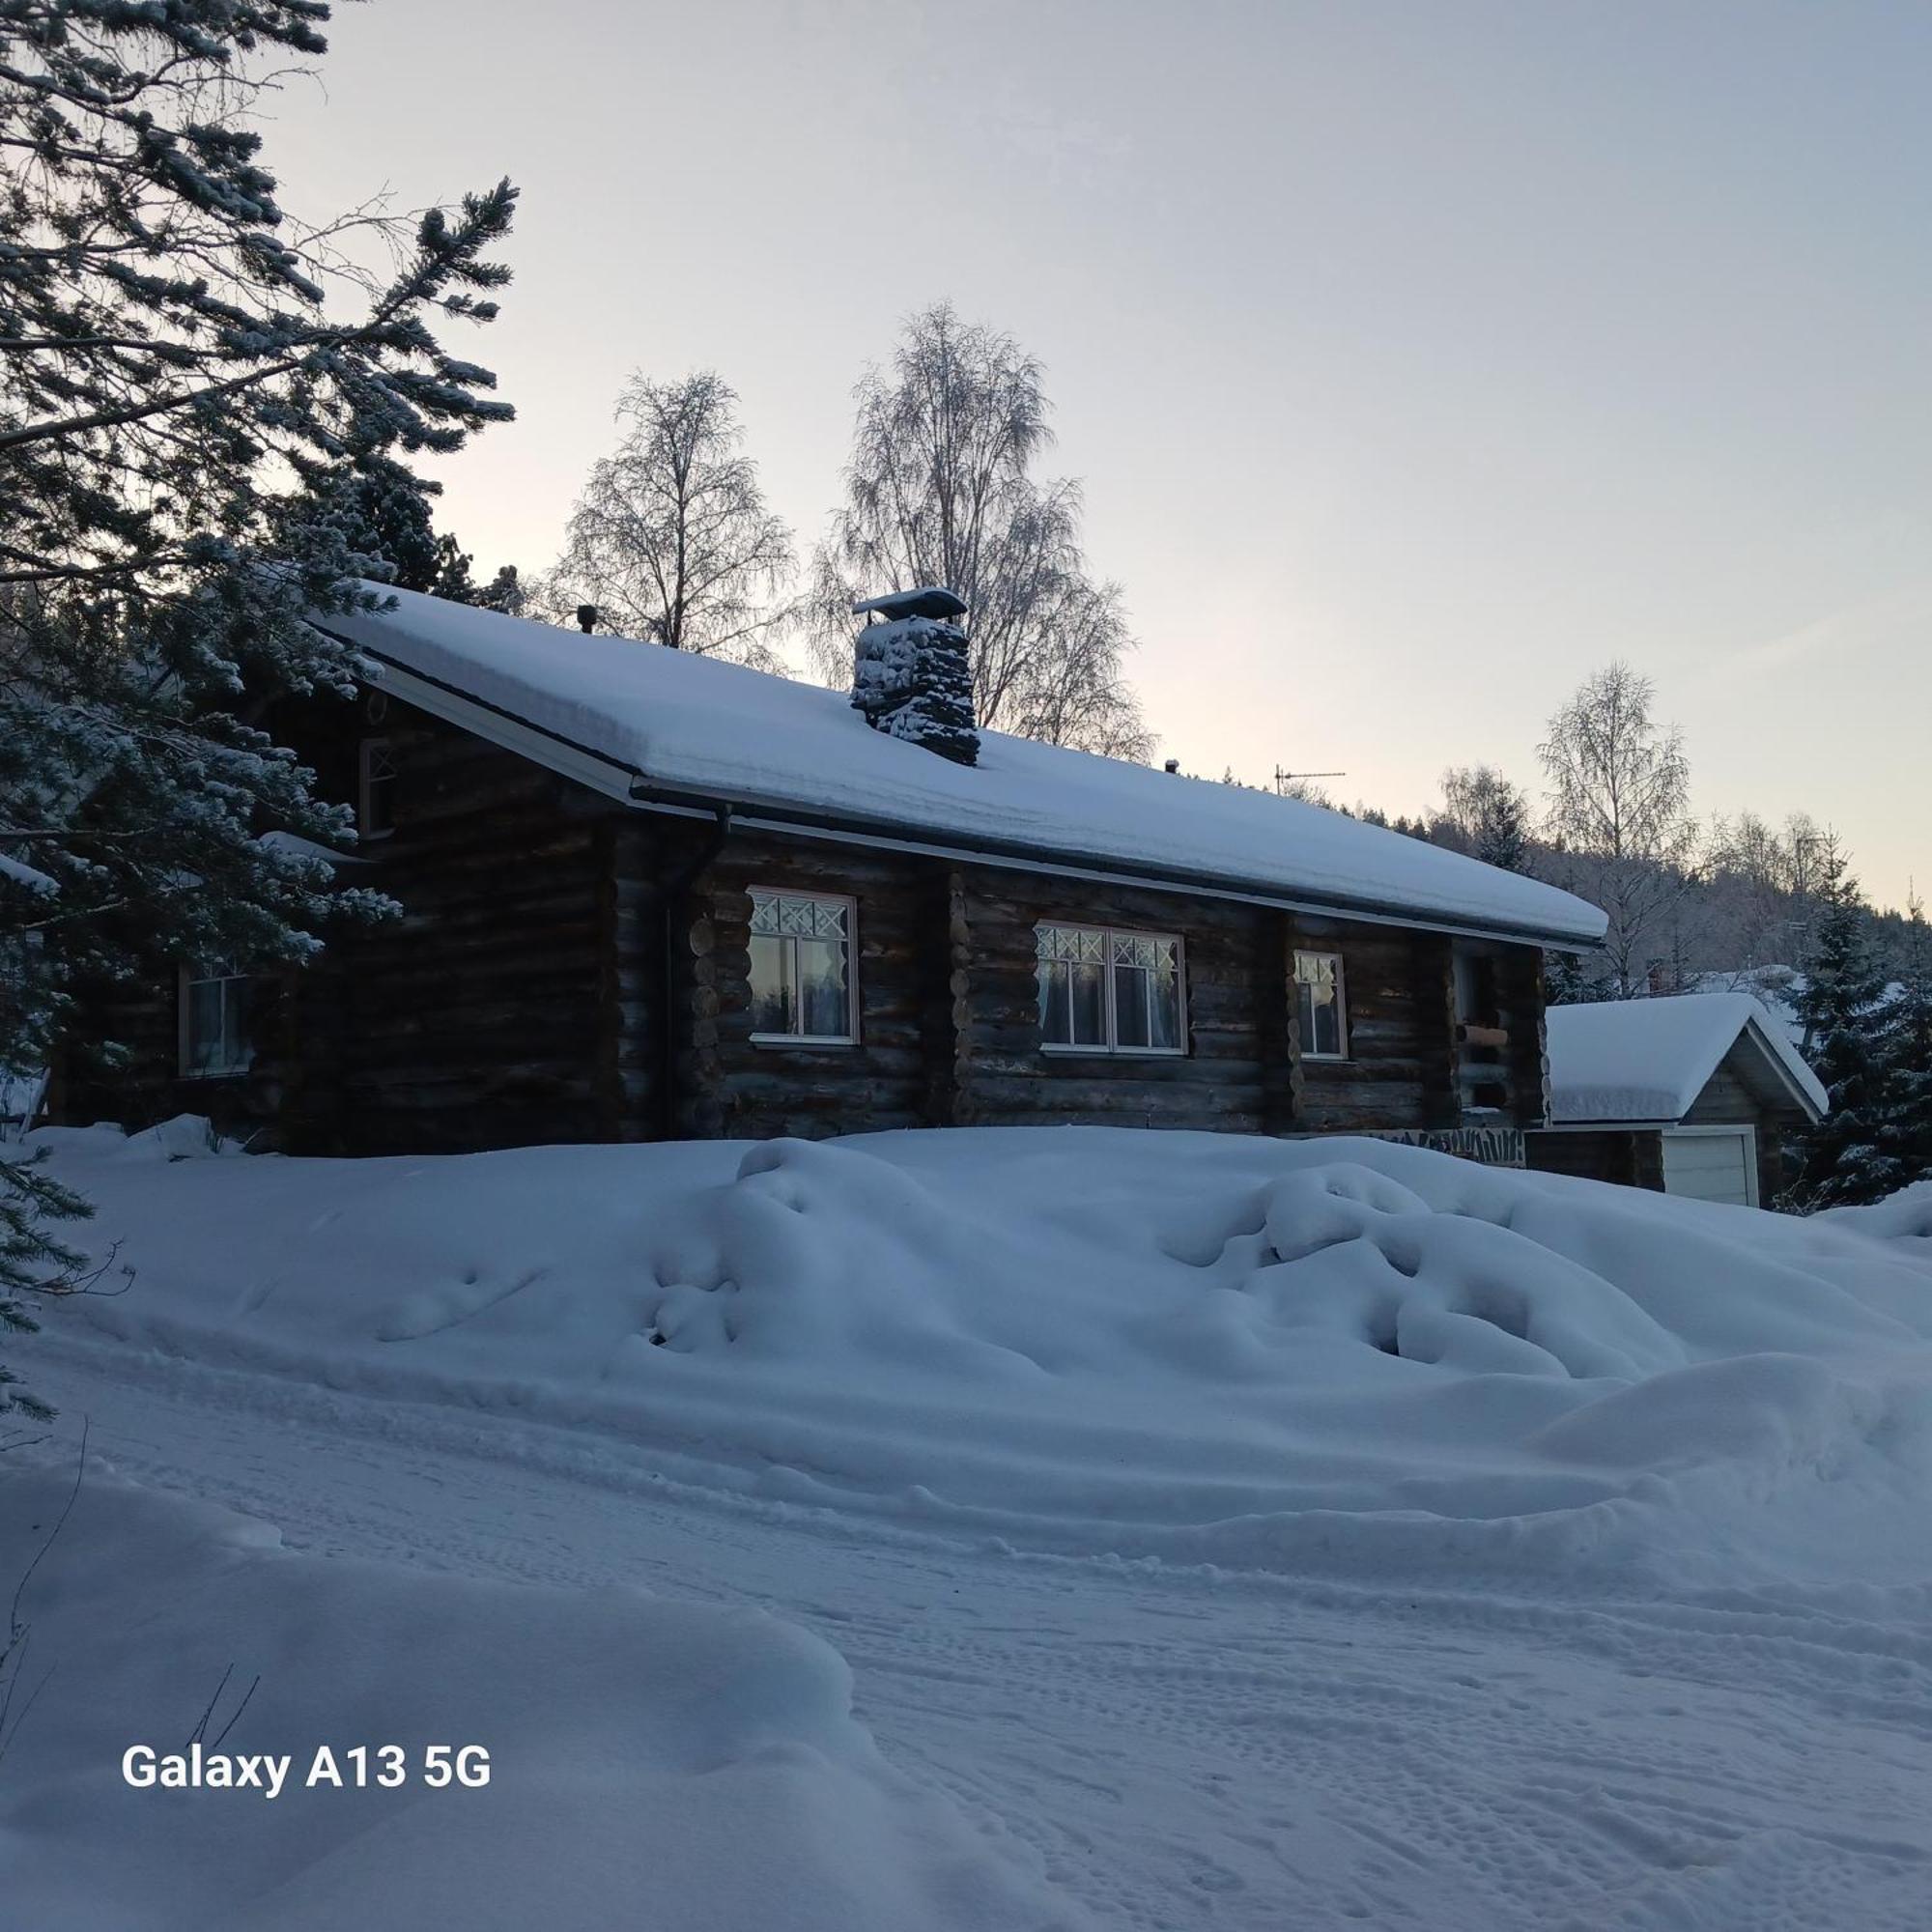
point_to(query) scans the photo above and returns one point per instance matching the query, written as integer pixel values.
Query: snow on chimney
(910, 674)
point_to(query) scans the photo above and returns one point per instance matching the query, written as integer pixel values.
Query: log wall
(1397, 994)
(1631, 1157)
(898, 1074)
(481, 1017)
(1232, 979)
(534, 991)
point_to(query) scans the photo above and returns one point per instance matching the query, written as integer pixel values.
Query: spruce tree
(503, 592)
(379, 511)
(1850, 1157)
(1907, 1035)
(205, 408)
(1486, 815)
(1565, 981)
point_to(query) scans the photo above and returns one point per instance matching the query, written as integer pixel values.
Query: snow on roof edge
(705, 728)
(1632, 1061)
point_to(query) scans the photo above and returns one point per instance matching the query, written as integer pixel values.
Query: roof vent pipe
(586, 618)
(1173, 765)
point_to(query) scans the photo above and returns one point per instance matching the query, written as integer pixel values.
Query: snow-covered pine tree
(1565, 982)
(452, 581)
(912, 680)
(1846, 1157)
(380, 508)
(503, 592)
(33, 1261)
(1907, 1022)
(182, 358)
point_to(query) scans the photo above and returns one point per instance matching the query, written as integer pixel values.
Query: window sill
(216, 1073)
(807, 1041)
(1330, 1058)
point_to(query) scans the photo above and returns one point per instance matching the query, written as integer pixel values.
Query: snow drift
(1209, 1349)
(651, 1764)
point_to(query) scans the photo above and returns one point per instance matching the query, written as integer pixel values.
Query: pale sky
(1417, 358)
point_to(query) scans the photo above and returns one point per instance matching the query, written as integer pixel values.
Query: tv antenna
(1284, 778)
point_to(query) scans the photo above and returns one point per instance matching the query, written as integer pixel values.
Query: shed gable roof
(643, 722)
(1624, 1061)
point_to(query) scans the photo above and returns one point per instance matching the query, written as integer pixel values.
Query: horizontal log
(1343, 1076)
(766, 1124)
(856, 1101)
(1488, 1073)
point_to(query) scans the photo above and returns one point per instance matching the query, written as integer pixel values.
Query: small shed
(1695, 1095)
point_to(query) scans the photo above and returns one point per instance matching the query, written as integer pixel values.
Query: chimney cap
(932, 601)
(587, 617)
(1172, 765)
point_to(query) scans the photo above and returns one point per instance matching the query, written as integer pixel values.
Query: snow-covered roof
(641, 722)
(1648, 1060)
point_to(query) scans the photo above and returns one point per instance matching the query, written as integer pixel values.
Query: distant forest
(1694, 904)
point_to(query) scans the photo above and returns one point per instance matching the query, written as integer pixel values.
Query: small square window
(804, 988)
(214, 1042)
(1321, 1006)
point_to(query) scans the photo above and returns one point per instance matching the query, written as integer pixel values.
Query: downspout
(672, 889)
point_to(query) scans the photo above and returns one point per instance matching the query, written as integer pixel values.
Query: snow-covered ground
(1216, 1532)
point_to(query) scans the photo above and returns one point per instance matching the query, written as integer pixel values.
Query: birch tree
(671, 540)
(1619, 816)
(941, 490)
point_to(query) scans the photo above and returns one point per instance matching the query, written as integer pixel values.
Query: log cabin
(646, 894)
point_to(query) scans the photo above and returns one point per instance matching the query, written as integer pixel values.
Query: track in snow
(1186, 1748)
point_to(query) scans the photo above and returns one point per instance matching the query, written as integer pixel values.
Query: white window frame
(365, 758)
(1302, 953)
(850, 1036)
(202, 975)
(1109, 1049)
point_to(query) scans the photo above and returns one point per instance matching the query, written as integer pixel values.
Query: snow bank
(1648, 1060)
(693, 723)
(1201, 1347)
(651, 1764)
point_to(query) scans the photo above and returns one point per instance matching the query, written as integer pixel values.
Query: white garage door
(1712, 1164)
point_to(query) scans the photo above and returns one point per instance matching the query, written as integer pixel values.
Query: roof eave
(617, 778)
(1069, 862)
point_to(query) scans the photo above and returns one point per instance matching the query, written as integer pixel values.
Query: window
(803, 986)
(376, 790)
(213, 1022)
(1476, 989)
(1321, 1006)
(1103, 991)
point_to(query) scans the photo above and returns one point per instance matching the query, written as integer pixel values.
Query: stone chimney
(910, 674)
